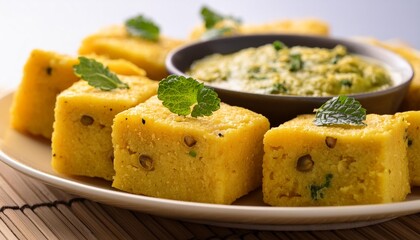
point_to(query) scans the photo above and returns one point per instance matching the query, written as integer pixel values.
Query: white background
(61, 25)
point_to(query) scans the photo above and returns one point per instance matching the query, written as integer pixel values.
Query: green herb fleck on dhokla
(193, 153)
(317, 190)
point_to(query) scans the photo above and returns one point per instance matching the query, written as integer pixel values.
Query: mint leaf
(208, 102)
(142, 27)
(341, 110)
(179, 94)
(97, 75)
(210, 17)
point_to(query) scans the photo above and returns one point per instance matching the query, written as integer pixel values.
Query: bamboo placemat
(31, 210)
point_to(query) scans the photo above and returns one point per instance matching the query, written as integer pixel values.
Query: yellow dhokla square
(291, 26)
(81, 141)
(411, 100)
(413, 149)
(115, 42)
(213, 159)
(305, 164)
(45, 75)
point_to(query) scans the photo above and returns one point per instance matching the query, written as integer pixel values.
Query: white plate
(32, 157)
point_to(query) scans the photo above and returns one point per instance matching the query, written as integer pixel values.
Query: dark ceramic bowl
(280, 108)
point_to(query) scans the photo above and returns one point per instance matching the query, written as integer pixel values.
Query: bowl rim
(407, 73)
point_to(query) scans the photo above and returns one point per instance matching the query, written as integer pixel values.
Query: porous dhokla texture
(309, 165)
(292, 26)
(115, 42)
(213, 159)
(45, 75)
(81, 141)
(413, 145)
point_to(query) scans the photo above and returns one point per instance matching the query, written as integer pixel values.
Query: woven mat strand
(32, 210)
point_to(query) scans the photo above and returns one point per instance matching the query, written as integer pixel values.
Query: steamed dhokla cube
(81, 141)
(305, 164)
(213, 159)
(413, 145)
(115, 42)
(45, 75)
(291, 26)
(411, 100)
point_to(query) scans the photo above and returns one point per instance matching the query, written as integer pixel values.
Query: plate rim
(260, 215)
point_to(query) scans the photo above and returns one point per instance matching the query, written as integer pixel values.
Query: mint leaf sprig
(97, 75)
(143, 27)
(179, 94)
(211, 18)
(341, 110)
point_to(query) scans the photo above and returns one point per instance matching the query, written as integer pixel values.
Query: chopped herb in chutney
(296, 62)
(302, 71)
(278, 45)
(346, 82)
(278, 88)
